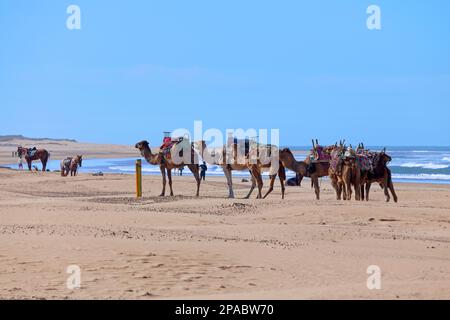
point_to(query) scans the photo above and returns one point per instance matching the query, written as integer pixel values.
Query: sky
(311, 69)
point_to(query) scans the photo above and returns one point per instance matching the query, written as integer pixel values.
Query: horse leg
(362, 191)
(272, 182)
(252, 187)
(29, 164)
(229, 177)
(169, 177)
(44, 164)
(163, 173)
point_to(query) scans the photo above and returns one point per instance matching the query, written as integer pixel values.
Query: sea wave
(421, 176)
(446, 159)
(429, 165)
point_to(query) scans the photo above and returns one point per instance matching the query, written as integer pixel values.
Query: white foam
(422, 176)
(429, 165)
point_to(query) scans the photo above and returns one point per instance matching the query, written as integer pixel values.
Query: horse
(65, 166)
(39, 154)
(76, 161)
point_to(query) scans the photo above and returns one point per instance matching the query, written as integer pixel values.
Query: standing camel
(255, 160)
(166, 164)
(39, 154)
(351, 174)
(335, 171)
(381, 174)
(229, 162)
(300, 167)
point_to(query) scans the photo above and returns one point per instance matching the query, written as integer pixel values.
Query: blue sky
(309, 68)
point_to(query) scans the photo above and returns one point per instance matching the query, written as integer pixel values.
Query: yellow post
(138, 178)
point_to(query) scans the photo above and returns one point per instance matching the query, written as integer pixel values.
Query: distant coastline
(5, 138)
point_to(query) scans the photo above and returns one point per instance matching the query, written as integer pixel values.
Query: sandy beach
(213, 247)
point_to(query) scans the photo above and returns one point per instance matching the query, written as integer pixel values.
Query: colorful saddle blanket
(318, 154)
(169, 143)
(336, 160)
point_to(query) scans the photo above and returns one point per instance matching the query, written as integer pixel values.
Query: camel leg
(282, 177)
(169, 177)
(163, 173)
(194, 170)
(348, 191)
(252, 187)
(357, 192)
(362, 191)
(229, 177)
(386, 192)
(300, 179)
(367, 190)
(335, 186)
(315, 181)
(391, 187)
(272, 182)
(259, 181)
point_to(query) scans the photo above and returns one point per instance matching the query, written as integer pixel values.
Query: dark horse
(40, 154)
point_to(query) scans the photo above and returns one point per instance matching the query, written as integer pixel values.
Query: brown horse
(40, 154)
(71, 164)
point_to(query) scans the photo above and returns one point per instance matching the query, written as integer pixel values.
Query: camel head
(142, 145)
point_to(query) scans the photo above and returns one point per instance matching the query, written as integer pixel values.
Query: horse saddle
(32, 152)
(67, 162)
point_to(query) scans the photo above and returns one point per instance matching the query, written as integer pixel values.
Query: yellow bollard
(138, 178)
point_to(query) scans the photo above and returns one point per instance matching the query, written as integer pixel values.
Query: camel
(250, 160)
(300, 167)
(321, 167)
(335, 171)
(40, 154)
(351, 175)
(381, 174)
(166, 164)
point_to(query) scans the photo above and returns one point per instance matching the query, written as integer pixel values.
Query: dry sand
(213, 247)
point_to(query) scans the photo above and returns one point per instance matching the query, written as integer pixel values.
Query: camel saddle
(169, 143)
(318, 155)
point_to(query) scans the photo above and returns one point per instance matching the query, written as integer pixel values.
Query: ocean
(409, 164)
